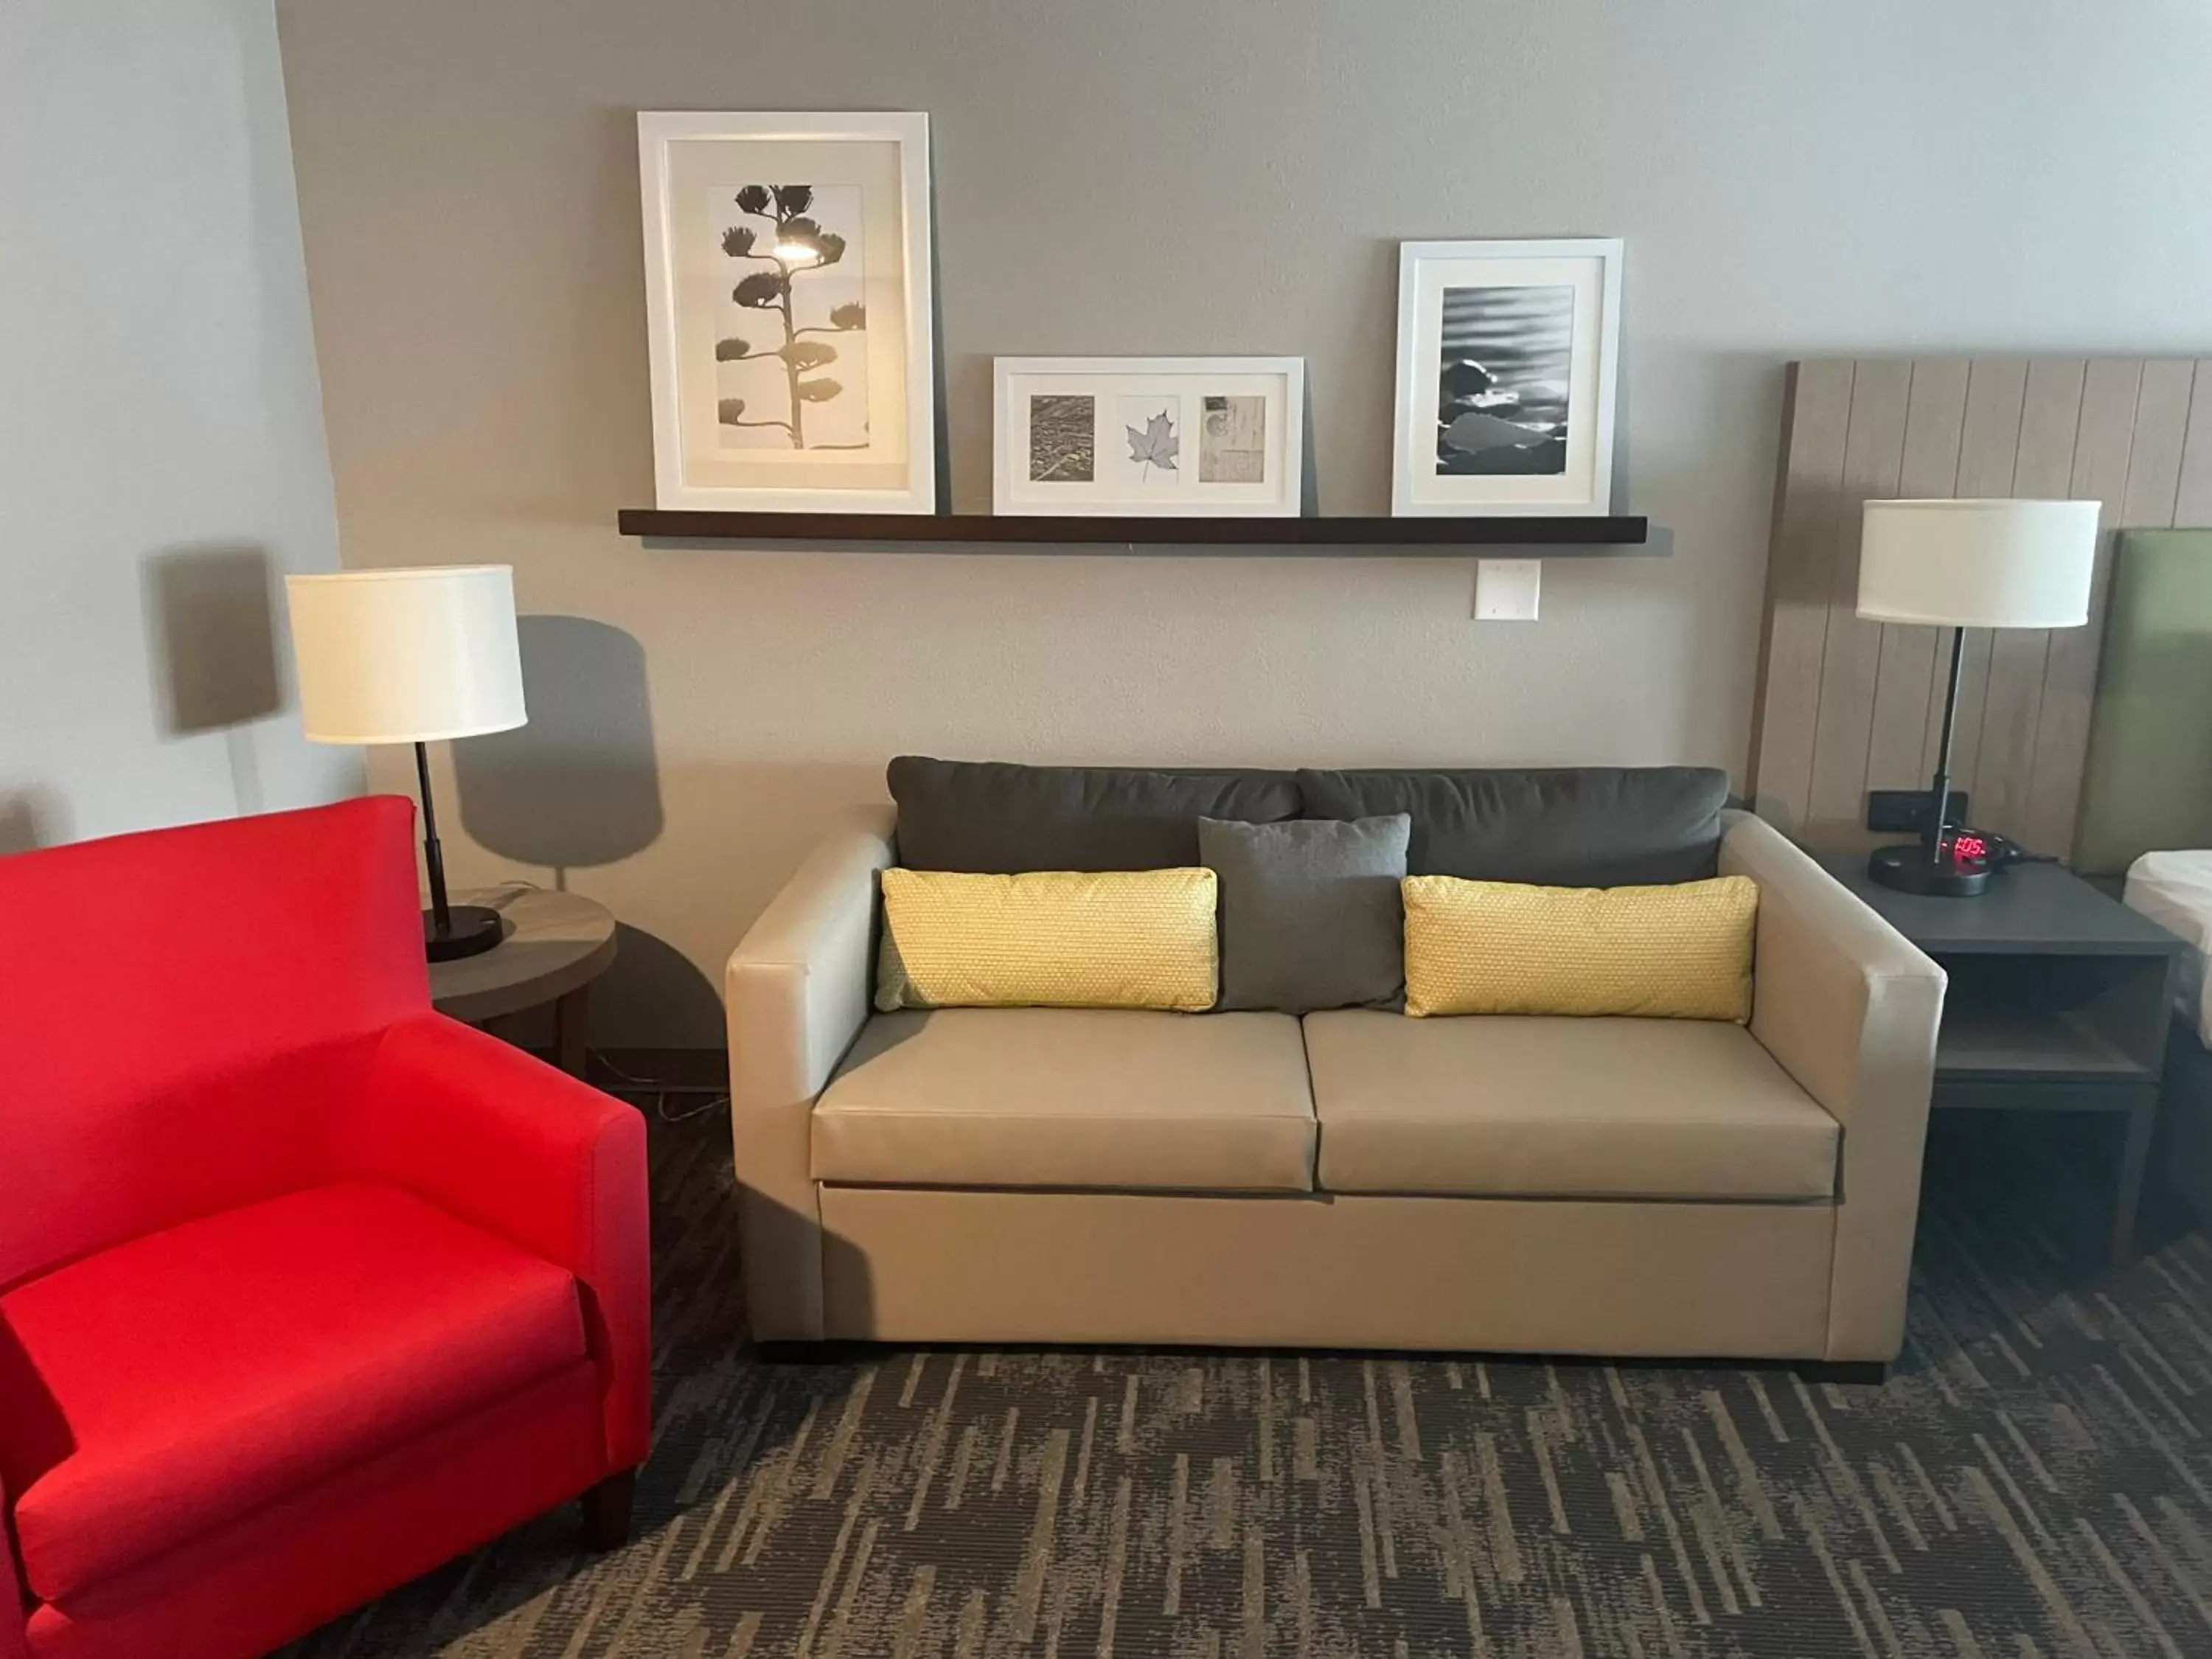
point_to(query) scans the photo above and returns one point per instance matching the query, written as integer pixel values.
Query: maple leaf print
(1157, 445)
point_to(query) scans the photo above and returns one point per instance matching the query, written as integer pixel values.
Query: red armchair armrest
(503, 1140)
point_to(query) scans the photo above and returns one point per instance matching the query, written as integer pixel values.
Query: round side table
(554, 946)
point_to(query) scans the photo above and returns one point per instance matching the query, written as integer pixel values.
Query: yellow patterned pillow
(1051, 938)
(1494, 947)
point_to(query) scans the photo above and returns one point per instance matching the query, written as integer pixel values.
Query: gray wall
(1187, 176)
(161, 458)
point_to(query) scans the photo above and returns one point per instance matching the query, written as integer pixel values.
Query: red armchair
(304, 1289)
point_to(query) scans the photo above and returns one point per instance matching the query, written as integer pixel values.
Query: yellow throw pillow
(1494, 947)
(1051, 938)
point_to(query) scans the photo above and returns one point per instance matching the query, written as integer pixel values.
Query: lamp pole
(447, 933)
(1926, 866)
(433, 856)
(1939, 808)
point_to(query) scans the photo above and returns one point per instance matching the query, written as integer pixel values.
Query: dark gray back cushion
(1580, 826)
(1310, 912)
(1000, 819)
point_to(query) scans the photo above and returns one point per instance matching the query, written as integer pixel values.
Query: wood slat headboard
(1845, 706)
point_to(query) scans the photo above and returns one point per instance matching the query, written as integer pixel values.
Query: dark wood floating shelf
(1561, 535)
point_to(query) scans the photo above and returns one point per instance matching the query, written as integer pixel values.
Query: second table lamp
(1961, 564)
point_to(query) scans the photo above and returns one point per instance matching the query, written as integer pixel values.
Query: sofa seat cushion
(1528, 1106)
(163, 1388)
(1128, 1099)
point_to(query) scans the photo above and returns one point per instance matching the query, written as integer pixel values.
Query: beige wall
(1180, 176)
(161, 460)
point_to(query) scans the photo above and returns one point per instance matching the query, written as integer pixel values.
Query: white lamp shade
(406, 656)
(1978, 563)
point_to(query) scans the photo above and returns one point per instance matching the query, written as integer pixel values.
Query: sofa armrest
(504, 1141)
(797, 992)
(1849, 1008)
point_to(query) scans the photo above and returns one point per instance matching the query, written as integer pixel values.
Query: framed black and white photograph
(789, 311)
(1506, 362)
(1149, 436)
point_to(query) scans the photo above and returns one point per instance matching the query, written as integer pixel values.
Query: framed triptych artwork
(789, 311)
(1506, 363)
(791, 327)
(1150, 437)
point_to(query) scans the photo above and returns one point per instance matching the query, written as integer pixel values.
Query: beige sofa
(1351, 1179)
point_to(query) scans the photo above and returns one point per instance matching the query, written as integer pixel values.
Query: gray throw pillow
(1310, 912)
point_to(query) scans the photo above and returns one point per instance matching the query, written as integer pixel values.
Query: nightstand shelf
(2012, 1046)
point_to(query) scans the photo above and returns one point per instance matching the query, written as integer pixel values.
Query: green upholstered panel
(2148, 782)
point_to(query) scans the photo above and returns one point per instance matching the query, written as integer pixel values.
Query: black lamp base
(474, 931)
(1910, 869)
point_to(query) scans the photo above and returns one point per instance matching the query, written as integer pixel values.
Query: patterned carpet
(2034, 1483)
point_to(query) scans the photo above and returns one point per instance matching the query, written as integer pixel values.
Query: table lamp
(1959, 565)
(412, 656)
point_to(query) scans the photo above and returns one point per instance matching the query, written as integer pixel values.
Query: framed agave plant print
(789, 311)
(1146, 437)
(1506, 363)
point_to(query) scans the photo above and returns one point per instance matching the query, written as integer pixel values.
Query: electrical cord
(660, 1109)
(500, 894)
(660, 1089)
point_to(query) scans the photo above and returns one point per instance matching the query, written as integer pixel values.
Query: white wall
(162, 455)
(1201, 176)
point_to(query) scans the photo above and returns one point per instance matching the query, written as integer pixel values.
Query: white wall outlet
(1506, 590)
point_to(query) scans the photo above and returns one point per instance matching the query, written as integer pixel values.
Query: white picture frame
(1077, 436)
(1551, 310)
(741, 418)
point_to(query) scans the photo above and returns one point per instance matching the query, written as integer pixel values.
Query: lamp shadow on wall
(210, 613)
(30, 818)
(578, 788)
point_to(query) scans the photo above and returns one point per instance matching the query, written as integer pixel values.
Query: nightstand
(554, 946)
(2058, 1002)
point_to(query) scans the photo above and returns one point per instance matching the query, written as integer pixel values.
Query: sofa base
(843, 1351)
(1625, 1278)
(1864, 1373)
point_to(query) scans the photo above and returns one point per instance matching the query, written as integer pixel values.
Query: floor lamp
(412, 656)
(1959, 565)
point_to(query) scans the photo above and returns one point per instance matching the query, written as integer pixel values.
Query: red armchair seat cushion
(179, 1380)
